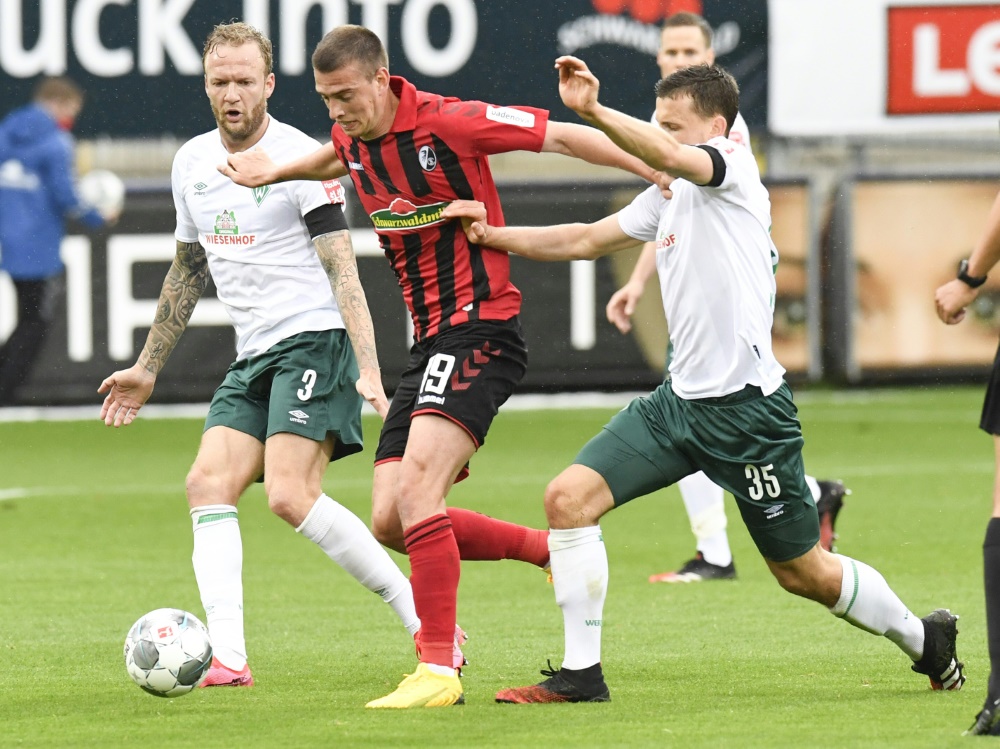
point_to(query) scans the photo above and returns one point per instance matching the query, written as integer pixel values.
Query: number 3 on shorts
(309, 378)
(437, 373)
(761, 480)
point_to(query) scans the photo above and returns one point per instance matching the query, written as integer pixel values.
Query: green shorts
(303, 385)
(749, 444)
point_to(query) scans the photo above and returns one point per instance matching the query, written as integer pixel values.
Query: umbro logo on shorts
(299, 417)
(774, 511)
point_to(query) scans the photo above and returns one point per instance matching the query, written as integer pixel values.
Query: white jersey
(262, 259)
(715, 261)
(738, 133)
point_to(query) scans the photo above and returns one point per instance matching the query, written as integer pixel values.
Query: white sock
(218, 568)
(347, 541)
(813, 485)
(580, 578)
(704, 501)
(867, 602)
(440, 670)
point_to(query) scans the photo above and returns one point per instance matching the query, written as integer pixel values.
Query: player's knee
(388, 531)
(414, 468)
(206, 487)
(566, 505)
(290, 500)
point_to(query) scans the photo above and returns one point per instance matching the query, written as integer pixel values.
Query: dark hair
(350, 45)
(237, 34)
(58, 90)
(712, 90)
(690, 19)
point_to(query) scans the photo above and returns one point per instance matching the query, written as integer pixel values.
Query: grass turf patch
(95, 532)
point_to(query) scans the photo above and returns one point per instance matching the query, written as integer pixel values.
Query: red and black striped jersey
(436, 152)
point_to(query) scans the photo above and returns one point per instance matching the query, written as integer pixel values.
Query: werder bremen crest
(225, 223)
(259, 193)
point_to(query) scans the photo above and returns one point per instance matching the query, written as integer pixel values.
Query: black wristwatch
(973, 282)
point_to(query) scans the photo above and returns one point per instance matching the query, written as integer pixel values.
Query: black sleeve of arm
(718, 165)
(325, 219)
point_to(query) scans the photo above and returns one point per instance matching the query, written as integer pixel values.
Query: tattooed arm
(182, 288)
(336, 253)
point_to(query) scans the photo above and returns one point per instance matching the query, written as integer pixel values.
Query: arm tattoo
(336, 253)
(182, 288)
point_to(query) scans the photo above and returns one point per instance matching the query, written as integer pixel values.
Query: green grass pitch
(94, 532)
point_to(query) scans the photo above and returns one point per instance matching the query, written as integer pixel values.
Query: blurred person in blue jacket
(37, 194)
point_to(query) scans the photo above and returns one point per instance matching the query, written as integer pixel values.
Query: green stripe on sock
(854, 596)
(217, 516)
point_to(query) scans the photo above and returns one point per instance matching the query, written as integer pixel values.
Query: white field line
(842, 415)
(841, 401)
(138, 490)
(23, 492)
(199, 410)
(522, 479)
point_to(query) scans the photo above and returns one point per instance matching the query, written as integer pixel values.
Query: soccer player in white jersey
(725, 408)
(685, 40)
(282, 261)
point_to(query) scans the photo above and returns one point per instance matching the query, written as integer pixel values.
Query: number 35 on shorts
(761, 481)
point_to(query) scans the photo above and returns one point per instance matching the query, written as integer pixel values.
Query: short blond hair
(237, 34)
(58, 89)
(682, 20)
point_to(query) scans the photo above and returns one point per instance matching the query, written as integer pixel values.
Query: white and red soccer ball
(168, 652)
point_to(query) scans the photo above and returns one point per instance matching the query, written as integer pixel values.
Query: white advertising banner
(866, 67)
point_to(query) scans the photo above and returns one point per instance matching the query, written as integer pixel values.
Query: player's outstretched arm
(591, 145)
(655, 147)
(560, 242)
(336, 253)
(622, 304)
(254, 168)
(129, 389)
(952, 298)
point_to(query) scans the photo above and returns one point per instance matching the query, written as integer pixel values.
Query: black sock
(991, 583)
(587, 675)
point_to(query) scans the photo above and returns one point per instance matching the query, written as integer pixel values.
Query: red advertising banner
(943, 59)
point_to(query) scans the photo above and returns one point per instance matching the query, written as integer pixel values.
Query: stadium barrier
(855, 293)
(113, 280)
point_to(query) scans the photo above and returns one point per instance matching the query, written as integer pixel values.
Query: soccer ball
(168, 652)
(103, 190)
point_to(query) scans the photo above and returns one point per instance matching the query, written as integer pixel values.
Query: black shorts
(990, 419)
(464, 374)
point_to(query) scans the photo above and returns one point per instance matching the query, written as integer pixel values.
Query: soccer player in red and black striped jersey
(409, 154)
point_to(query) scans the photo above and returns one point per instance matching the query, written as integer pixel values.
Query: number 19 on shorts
(436, 374)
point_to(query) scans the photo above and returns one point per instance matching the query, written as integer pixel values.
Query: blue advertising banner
(140, 60)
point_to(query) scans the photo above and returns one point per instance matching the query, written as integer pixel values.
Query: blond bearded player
(283, 264)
